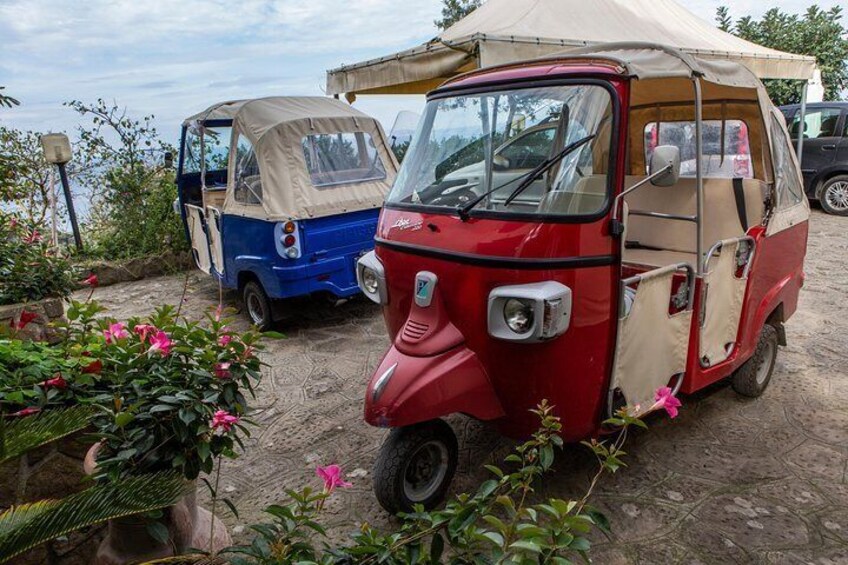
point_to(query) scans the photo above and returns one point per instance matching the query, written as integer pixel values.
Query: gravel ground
(730, 481)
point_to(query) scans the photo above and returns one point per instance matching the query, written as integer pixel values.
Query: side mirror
(663, 157)
(500, 163)
(169, 160)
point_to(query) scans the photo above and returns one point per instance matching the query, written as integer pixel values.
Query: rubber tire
(823, 201)
(253, 288)
(745, 378)
(390, 466)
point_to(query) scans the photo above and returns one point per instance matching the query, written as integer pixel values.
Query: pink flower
(332, 476)
(223, 422)
(665, 399)
(225, 340)
(93, 368)
(160, 342)
(34, 237)
(144, 330)
(115, 332)
(219, 311)
(26, 412)
(56, 382)
(24, 320)
(222, 370)
(91, 280)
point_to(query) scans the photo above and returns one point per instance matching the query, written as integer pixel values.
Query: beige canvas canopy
(277, 129)
(504, 31)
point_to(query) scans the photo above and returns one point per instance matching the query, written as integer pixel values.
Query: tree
(455, 10)
(120, 160)
(6, 100)
(818, 32)
(24, 175)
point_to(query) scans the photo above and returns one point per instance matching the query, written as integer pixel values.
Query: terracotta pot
(189, 526)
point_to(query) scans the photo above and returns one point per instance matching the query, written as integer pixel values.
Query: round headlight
(370, 282)
(518, 315)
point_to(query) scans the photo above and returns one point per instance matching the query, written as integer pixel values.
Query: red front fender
(417, 389)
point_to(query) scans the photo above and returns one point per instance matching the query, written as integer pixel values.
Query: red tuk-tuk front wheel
(415, 466)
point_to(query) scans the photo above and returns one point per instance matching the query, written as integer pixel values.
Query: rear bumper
(336, 275)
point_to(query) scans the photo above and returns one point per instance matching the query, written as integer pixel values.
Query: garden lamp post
(57, 150)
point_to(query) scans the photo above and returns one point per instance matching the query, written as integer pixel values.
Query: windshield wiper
(529, 177)
(544, 167)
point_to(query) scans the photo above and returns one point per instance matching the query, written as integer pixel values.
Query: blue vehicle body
(326, 249)
(329, 247)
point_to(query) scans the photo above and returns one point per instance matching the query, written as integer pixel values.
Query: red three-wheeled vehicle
(585, 229)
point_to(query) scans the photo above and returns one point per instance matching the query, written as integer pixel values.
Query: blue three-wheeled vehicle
(280, 196)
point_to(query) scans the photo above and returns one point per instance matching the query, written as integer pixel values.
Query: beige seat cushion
(721, 219)
(657, 258)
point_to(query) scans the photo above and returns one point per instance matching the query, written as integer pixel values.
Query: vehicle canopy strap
(741, 207)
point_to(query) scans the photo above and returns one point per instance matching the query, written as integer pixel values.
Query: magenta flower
(225, 340)
(219, 311)
(24, 319)
(143, 330)
(56, 382)
(332, 476)
(222, 422)
(222, 370)
(115, 332)
(161, 343)
(91, 280)
(665, 399)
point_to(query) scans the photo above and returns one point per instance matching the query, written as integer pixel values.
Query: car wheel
(257, 305)
(752, 378)
(834, 196)
(415, 466)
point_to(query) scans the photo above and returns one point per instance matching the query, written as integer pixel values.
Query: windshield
(216, 145)
(469, 145)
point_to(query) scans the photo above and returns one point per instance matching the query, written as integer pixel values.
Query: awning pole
(699, 177)
(801, 124)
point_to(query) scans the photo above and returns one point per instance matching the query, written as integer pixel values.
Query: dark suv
(825, 159)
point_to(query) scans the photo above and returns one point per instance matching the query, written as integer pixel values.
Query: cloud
(172, 58)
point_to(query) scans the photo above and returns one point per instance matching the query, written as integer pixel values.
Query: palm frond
(191, 559)
(31, 432)
(26, 526)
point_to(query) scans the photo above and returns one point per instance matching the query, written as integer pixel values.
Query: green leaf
(599, 518)
(273, 335)
(495, 538)
(26, 434)
(437, 546)
(158, 531)
(527, 545)
(122, 419)
(26, 526)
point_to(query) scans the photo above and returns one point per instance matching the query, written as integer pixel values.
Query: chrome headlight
(518, 315)
(370, 281)
(371, 278)
(529, 312)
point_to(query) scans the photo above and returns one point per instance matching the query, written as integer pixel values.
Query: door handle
(828, 147)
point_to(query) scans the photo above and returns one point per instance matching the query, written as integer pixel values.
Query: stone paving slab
(731, 481)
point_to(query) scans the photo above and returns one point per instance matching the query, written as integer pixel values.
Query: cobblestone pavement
(729, 481)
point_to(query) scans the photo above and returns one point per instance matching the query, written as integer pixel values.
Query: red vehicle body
(444, 360)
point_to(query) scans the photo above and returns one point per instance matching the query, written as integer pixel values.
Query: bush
(135, 216)
(29, 269)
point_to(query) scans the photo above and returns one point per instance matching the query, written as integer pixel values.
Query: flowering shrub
(169, 392)
(496, 524)
(29, 269)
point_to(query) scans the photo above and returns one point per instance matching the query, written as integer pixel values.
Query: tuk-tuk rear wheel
(415, 466)
(753, 377)
(258, 305)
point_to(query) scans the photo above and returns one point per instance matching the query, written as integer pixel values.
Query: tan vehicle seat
(660, 241)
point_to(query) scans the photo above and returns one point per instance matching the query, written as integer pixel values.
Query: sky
(173, 58)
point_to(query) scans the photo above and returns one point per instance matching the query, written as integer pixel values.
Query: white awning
(505, 31)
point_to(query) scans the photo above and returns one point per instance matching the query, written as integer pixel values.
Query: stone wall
(52, 471)
(113, 272)
(48, 310)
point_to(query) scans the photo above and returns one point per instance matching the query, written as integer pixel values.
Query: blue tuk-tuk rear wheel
(415, 465)
(257, 305)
